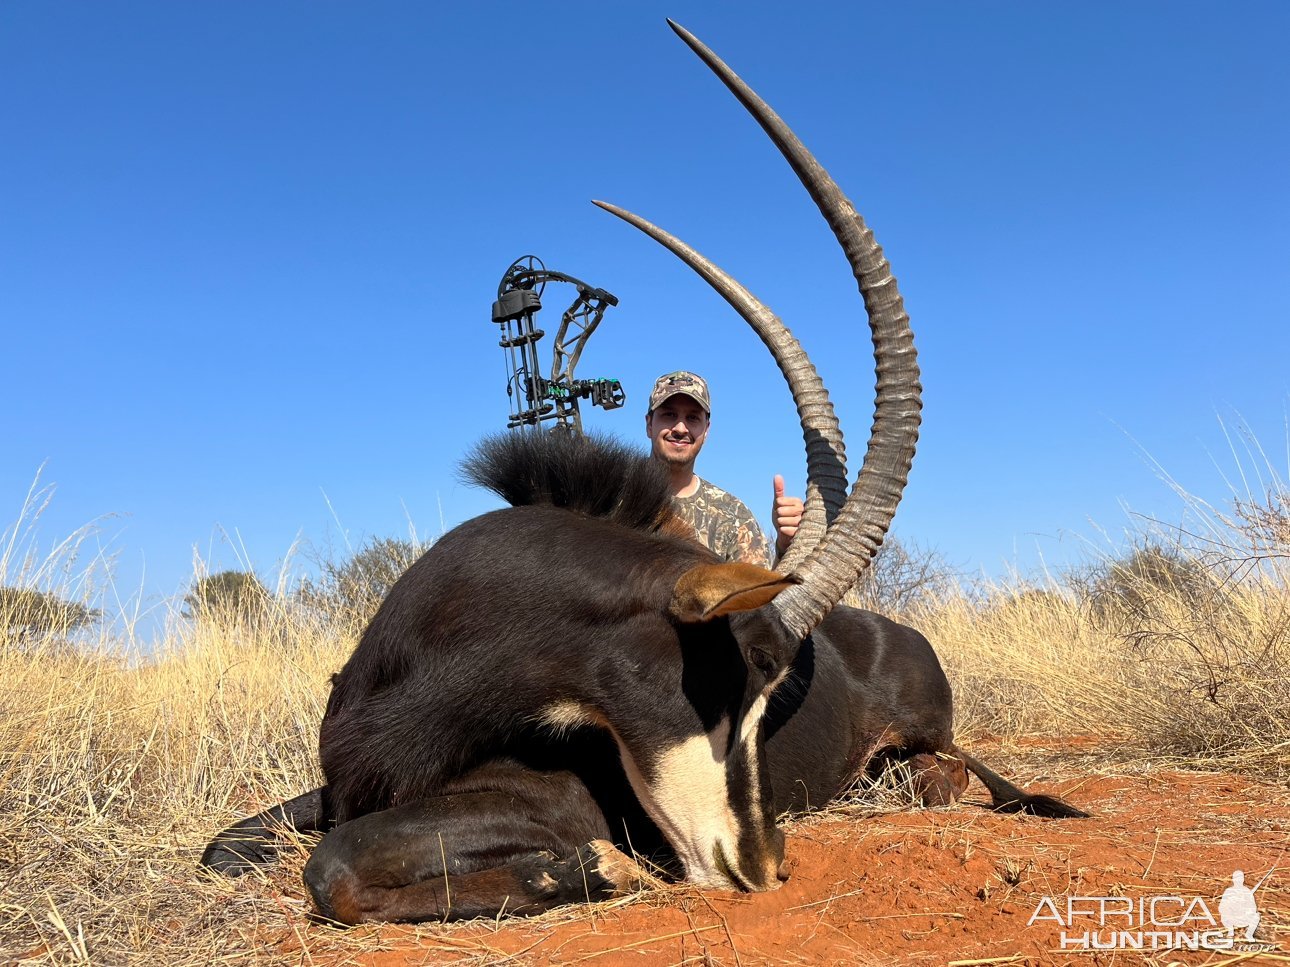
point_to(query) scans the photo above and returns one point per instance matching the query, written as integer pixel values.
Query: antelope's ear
(711, 590)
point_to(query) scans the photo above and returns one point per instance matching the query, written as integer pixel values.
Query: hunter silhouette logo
(1237, 909)
(1166, 922)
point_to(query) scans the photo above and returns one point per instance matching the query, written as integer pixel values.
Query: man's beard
(677, 458)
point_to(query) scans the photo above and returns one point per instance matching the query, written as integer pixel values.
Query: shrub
(1131, 589)
(903, 578)
(226, 595)
(27, 615)
(353, 589)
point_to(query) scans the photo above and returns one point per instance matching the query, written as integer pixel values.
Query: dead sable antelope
(572, 677)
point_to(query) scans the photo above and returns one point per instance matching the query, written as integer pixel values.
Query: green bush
(27, 615)
(226, 595)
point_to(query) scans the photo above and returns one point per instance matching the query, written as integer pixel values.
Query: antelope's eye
(762, 661)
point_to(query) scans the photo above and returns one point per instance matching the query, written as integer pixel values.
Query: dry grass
(116, 769)
(1204, 683)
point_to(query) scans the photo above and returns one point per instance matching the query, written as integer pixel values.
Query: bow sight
(518, 301)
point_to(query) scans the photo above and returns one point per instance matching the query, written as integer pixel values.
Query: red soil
(928, 887)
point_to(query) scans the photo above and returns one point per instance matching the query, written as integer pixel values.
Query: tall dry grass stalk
(116, 767)
(1206, 685)
(1175, 644)
(118, 761)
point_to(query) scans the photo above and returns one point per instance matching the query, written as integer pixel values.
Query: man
(680, 412)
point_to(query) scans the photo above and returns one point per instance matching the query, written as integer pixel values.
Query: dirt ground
(956, 886)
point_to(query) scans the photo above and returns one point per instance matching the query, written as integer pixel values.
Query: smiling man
(680, 413)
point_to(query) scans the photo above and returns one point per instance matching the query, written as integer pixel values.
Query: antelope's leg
(938, 780)
(475, 854)
(255, 841)
(523, 886)
(935, 778)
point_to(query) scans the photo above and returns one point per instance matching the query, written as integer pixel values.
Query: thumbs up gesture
(786, 514)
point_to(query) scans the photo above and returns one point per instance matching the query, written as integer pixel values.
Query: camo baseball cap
(687, 384)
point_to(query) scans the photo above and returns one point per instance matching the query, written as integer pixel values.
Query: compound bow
(519, 297)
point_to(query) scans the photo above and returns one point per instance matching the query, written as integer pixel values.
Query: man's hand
(786, 514)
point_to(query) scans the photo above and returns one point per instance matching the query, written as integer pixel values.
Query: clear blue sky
(248, 251)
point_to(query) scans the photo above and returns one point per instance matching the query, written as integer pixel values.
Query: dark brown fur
(448, 794)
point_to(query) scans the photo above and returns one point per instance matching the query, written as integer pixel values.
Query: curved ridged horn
(826, 486)
(833, 565)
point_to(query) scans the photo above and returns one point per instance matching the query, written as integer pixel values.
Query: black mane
(593, 475)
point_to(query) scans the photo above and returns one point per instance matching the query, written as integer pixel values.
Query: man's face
(677, 428)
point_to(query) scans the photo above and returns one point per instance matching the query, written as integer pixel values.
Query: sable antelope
(571, 677)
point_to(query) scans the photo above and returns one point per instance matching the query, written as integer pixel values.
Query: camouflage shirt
(724, 525)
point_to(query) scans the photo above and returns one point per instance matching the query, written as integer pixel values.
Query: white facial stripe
(757, 708)
(690, 802)
(750, 750)
(689, 797)
(748, 727)
(754, 774)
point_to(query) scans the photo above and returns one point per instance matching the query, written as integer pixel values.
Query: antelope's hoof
(233, 857)
(619, 872)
